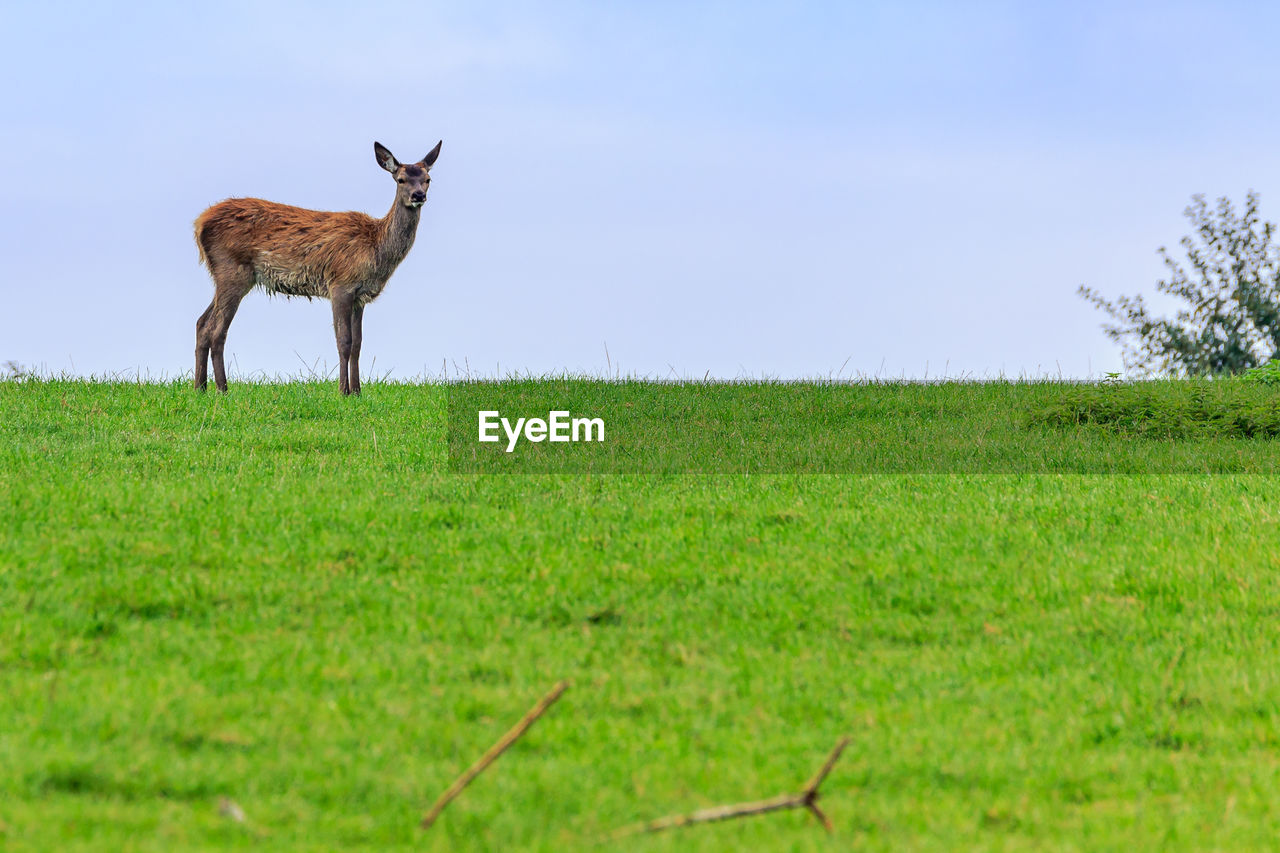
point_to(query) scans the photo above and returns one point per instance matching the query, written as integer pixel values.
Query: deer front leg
(353, 367)
(343, 306)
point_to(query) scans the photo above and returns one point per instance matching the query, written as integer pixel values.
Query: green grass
(287, 599)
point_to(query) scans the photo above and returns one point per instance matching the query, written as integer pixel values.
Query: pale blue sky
(740, 188)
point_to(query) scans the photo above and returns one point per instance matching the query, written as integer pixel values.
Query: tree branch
(494, 751)
(806, 798)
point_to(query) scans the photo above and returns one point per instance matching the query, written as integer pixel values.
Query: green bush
(1177, 409)
(1264, 374)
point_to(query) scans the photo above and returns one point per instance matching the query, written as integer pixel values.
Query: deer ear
(431, 158)
(386, 159)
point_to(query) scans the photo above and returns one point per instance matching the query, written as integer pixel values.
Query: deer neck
(399, 227)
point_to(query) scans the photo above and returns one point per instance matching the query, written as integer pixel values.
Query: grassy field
(289, 600)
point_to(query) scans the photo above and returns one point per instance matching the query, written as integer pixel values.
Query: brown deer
(343, 257)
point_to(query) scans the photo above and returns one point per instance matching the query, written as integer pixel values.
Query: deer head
(412, 179)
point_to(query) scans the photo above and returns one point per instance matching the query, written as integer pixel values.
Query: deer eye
(399, 180)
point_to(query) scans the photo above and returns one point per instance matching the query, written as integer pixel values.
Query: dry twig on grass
(806, 798)
(494, 751)
(230, 809)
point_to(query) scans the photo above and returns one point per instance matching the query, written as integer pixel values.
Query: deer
(343, 257)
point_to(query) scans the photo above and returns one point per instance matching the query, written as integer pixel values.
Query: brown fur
(292, 251)
(343, 257)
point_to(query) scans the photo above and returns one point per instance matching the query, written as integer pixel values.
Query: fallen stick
(494, 751)
(807, 798)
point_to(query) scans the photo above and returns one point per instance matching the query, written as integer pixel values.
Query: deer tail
(199, 228)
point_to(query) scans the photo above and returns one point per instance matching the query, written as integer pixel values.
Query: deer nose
(419, 195)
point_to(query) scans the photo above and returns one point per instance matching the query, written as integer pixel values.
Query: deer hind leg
(231, 288)
(343, 307)
(203, 341)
